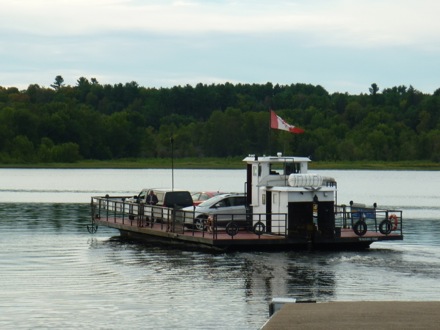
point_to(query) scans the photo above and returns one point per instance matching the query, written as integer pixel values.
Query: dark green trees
(94, 121)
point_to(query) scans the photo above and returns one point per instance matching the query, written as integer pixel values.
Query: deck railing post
(173, 220)
(344, 216)
(106, 206)
(123, 211)
(375, 217)
(401, 223)
(214, 227)
(203, 228)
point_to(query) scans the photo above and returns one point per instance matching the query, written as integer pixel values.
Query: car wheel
(200, 223)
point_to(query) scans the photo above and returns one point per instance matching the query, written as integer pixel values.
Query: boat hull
(243, 240)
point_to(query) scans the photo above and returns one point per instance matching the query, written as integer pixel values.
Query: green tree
(374, 89)
(59, 82)
(66, 153)
(22, 150)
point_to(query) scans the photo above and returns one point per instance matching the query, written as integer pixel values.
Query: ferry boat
(287, 207)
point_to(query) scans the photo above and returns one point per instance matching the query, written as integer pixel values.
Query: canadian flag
(278, 123)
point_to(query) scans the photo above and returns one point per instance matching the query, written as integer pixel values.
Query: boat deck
(220, 239)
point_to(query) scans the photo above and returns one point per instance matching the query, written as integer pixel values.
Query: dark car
(176, 199)
(166, 197)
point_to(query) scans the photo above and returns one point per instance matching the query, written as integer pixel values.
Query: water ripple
(55, 274)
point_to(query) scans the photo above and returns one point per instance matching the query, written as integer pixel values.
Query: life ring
(395, 221)
(232, 229)
(360, 228)
(385, 227)
(259, 228)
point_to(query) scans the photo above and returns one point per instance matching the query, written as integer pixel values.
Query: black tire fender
(360, 228)
(385, 227)
(259, 228)
(232, 229)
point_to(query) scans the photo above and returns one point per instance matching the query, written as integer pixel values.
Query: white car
(227, 207)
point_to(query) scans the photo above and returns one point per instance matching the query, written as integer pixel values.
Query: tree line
(101, 122)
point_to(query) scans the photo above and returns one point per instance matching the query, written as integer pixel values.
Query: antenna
(172, 161)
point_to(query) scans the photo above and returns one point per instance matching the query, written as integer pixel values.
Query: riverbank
(226, 163)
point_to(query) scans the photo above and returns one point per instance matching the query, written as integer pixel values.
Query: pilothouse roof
(276, 159)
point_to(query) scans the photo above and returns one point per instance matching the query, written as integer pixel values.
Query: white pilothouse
(282, 185)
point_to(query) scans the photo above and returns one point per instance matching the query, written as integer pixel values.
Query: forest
(91, 121)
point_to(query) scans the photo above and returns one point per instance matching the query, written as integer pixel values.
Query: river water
(54, 274)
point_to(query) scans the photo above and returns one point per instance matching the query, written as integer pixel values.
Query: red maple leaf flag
(278, 123)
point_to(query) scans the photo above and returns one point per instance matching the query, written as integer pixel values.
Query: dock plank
(376, 315)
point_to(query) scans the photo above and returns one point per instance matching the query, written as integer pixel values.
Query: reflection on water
(56, 275)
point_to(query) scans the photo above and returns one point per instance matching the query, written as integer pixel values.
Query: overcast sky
(342, 45)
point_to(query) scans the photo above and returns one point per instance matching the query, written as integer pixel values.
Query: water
(54, 274)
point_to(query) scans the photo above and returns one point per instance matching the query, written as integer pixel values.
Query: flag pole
(270, 133)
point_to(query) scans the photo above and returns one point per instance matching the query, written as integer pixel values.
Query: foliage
(122, 121)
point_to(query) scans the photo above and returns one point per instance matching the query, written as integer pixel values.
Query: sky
(342, 45)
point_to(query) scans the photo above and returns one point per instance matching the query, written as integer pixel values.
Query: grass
(378, 165)
(226, 163)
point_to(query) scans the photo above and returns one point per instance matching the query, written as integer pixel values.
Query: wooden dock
(361, 315)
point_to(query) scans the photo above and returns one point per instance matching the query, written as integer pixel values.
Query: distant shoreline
(223, 163)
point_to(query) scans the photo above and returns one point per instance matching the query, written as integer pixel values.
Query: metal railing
(363, 219)
(118, 210)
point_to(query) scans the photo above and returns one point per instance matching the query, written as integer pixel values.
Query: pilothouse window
(290, 168)
(276, 169)
(284, 168)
